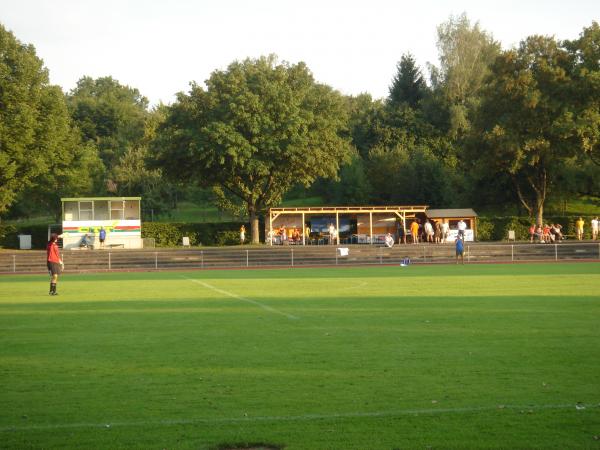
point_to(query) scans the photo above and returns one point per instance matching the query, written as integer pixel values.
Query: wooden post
(337, 227)
(371, 226)
(271, 227)
(303, 230)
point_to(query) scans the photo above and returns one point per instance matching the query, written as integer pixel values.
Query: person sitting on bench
(85, 243)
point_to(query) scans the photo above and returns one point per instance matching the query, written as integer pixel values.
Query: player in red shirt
(54, 261)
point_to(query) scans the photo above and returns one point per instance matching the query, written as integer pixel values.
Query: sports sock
(53, 288)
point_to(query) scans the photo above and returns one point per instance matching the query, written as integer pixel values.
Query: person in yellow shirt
(579, 225)
(414, 231)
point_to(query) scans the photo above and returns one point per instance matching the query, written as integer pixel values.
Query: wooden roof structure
(402, 212)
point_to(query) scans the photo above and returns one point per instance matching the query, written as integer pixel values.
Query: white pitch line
(244, 299)
(301, 418)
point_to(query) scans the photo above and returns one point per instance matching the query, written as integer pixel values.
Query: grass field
(478, 356)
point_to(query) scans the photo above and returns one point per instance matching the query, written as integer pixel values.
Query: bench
(115, 245)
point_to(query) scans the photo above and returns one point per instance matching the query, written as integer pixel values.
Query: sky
(159, 47)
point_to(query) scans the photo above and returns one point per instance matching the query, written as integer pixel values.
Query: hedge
(9, 235)
(171, 234)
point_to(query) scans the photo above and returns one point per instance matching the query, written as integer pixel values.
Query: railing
(293, 256)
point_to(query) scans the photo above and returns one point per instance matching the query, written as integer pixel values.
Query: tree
(408, 86)
(40, 152)
(466, 53)
(110, 116)
(526, 127)
(133, 176)
(585, 54)
(257, 129)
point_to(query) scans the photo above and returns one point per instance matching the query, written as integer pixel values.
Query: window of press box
(101, 211)
(132, 210)
(116, 210)
(86, 210)
(71, 211)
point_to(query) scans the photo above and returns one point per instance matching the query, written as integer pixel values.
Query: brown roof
(450, 213)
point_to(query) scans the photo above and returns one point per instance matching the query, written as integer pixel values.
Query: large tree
(258, 128)
(110, 115)
(466, 53)
(526, 127)
(40, 152)
(585, 52)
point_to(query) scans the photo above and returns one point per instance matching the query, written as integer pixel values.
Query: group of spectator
(431, 231)
(551, 233)
(546, 234)
(285, 236)
(580, 224)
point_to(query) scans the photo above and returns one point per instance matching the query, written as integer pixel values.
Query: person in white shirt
(595, 225)
(429, 231)
(332, 234)
(389, 240)
(462, 227)
(445, 230)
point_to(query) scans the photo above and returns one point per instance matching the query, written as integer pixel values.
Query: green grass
(482, 356)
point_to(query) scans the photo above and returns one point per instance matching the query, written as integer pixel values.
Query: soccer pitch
(475, 356)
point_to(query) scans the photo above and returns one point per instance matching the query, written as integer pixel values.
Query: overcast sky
(160, 46)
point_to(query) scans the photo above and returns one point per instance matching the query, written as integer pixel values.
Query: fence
(292, 256)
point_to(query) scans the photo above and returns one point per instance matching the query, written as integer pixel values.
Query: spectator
(445, 231)
(414, 231)
(296, 235)
(437, 233)
(401, 234)
(595, 225)
(242, 234)
(283, 234)
(558, 227)
(547, 235)
(532, 233)
(462, 227)
(428, 231)
(85, 241)
(579, 228)
(332, 233)
(389, 240)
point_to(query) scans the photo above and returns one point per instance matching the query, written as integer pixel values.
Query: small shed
(452, 217)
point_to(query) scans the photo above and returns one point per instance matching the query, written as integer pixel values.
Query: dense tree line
(484, 127)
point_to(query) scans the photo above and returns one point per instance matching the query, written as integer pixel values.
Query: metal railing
(293, 256)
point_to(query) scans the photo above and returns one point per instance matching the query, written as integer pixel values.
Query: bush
(9, 235)
(171, 234)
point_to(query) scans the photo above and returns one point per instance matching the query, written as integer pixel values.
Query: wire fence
(293, 256)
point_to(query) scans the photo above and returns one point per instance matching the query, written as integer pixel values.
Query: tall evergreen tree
(408, 86)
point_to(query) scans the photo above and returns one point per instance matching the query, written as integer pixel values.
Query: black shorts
(54, 268)
(460, 252)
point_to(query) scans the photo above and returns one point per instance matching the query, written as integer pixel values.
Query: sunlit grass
(488, 356)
